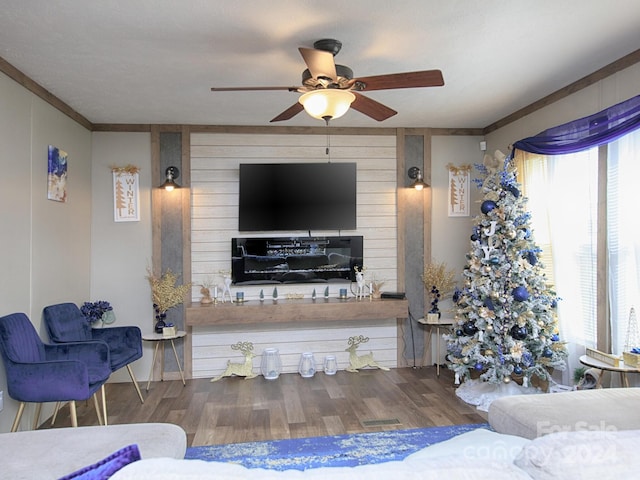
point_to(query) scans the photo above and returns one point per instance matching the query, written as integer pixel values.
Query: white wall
(450, 235)
(45, 244)
(121, 251)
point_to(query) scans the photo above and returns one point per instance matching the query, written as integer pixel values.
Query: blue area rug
(330, 451)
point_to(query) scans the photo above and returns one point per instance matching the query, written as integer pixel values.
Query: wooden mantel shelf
(304, 310)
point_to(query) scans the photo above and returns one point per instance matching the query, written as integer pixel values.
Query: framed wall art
(57, 175)
(126, 194)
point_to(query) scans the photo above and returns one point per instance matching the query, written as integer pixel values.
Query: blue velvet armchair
(66, 323)
(37, 372)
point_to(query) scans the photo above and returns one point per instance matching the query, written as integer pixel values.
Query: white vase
(270, 366)
(307, 367)
(330, 365)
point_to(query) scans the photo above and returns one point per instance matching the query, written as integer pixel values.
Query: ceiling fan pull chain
(328, 149)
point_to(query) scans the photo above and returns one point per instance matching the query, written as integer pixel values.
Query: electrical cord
(413, 340)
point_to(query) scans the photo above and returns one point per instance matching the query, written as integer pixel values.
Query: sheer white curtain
(623, 236)
(563, 201)
(562, 193)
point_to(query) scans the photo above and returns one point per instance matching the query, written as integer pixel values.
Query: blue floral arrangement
(94, 311)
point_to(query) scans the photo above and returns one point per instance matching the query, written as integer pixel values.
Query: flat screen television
(297, 196)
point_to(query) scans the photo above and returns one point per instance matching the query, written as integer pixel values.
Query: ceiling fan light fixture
(327, 104)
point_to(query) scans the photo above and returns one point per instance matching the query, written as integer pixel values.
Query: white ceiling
(154, 61)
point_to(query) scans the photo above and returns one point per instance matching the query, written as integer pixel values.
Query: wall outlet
(1, 400)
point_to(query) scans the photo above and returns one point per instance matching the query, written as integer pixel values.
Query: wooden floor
(238, 410)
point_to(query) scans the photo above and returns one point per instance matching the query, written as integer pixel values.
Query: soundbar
(394, 295)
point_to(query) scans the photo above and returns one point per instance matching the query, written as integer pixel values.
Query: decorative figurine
(205, 290)
(356, 362)
(240, 369)
(360, 294)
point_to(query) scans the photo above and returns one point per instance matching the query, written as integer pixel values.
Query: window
(562, 193)
(623, 238)
(563, 200)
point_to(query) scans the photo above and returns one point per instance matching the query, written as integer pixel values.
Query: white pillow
(479, 443)
(582, 455)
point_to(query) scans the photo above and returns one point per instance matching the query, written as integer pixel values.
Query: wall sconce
(416, 174)
(169, 184)
(325, 104)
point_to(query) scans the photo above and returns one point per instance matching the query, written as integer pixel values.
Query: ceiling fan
(323, 74)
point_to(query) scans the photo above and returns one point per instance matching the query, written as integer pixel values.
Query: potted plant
(438, 280)
(165, 295)
(100, 311)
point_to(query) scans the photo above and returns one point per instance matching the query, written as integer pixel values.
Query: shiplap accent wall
(215, 160)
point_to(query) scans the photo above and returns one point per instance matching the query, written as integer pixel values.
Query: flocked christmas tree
(506, 325)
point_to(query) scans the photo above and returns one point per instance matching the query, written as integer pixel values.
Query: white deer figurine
(360, 281)
(356, 362)
(240, 369)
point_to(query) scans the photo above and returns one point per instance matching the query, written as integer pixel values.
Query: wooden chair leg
(97, 407)
(135, 383)
(36, 419)
(74, 415)
(16, 421)
(55, 413)
(104, 405)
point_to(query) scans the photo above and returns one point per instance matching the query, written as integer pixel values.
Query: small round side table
(159, 338)
(622, 369)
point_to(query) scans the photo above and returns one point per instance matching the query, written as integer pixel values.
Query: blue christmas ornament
(517, 370)
(514, 191)
(518, 332)
(459, 332)
(520, 294)
(469, 328)
(487, 206)
(456, 295)
(474, 237)
(555, 337)
(478, 366)
(547, 352)
(532, 258)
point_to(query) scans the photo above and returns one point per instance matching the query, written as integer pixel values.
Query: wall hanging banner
(459, 181)
(126, 194)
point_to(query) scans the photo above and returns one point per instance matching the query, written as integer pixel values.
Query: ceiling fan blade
(246, 89)
(319, 62)
(425, 78)
(371, 108)
(290, 112)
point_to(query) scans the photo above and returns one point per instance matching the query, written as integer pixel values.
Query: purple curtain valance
(592, 131)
